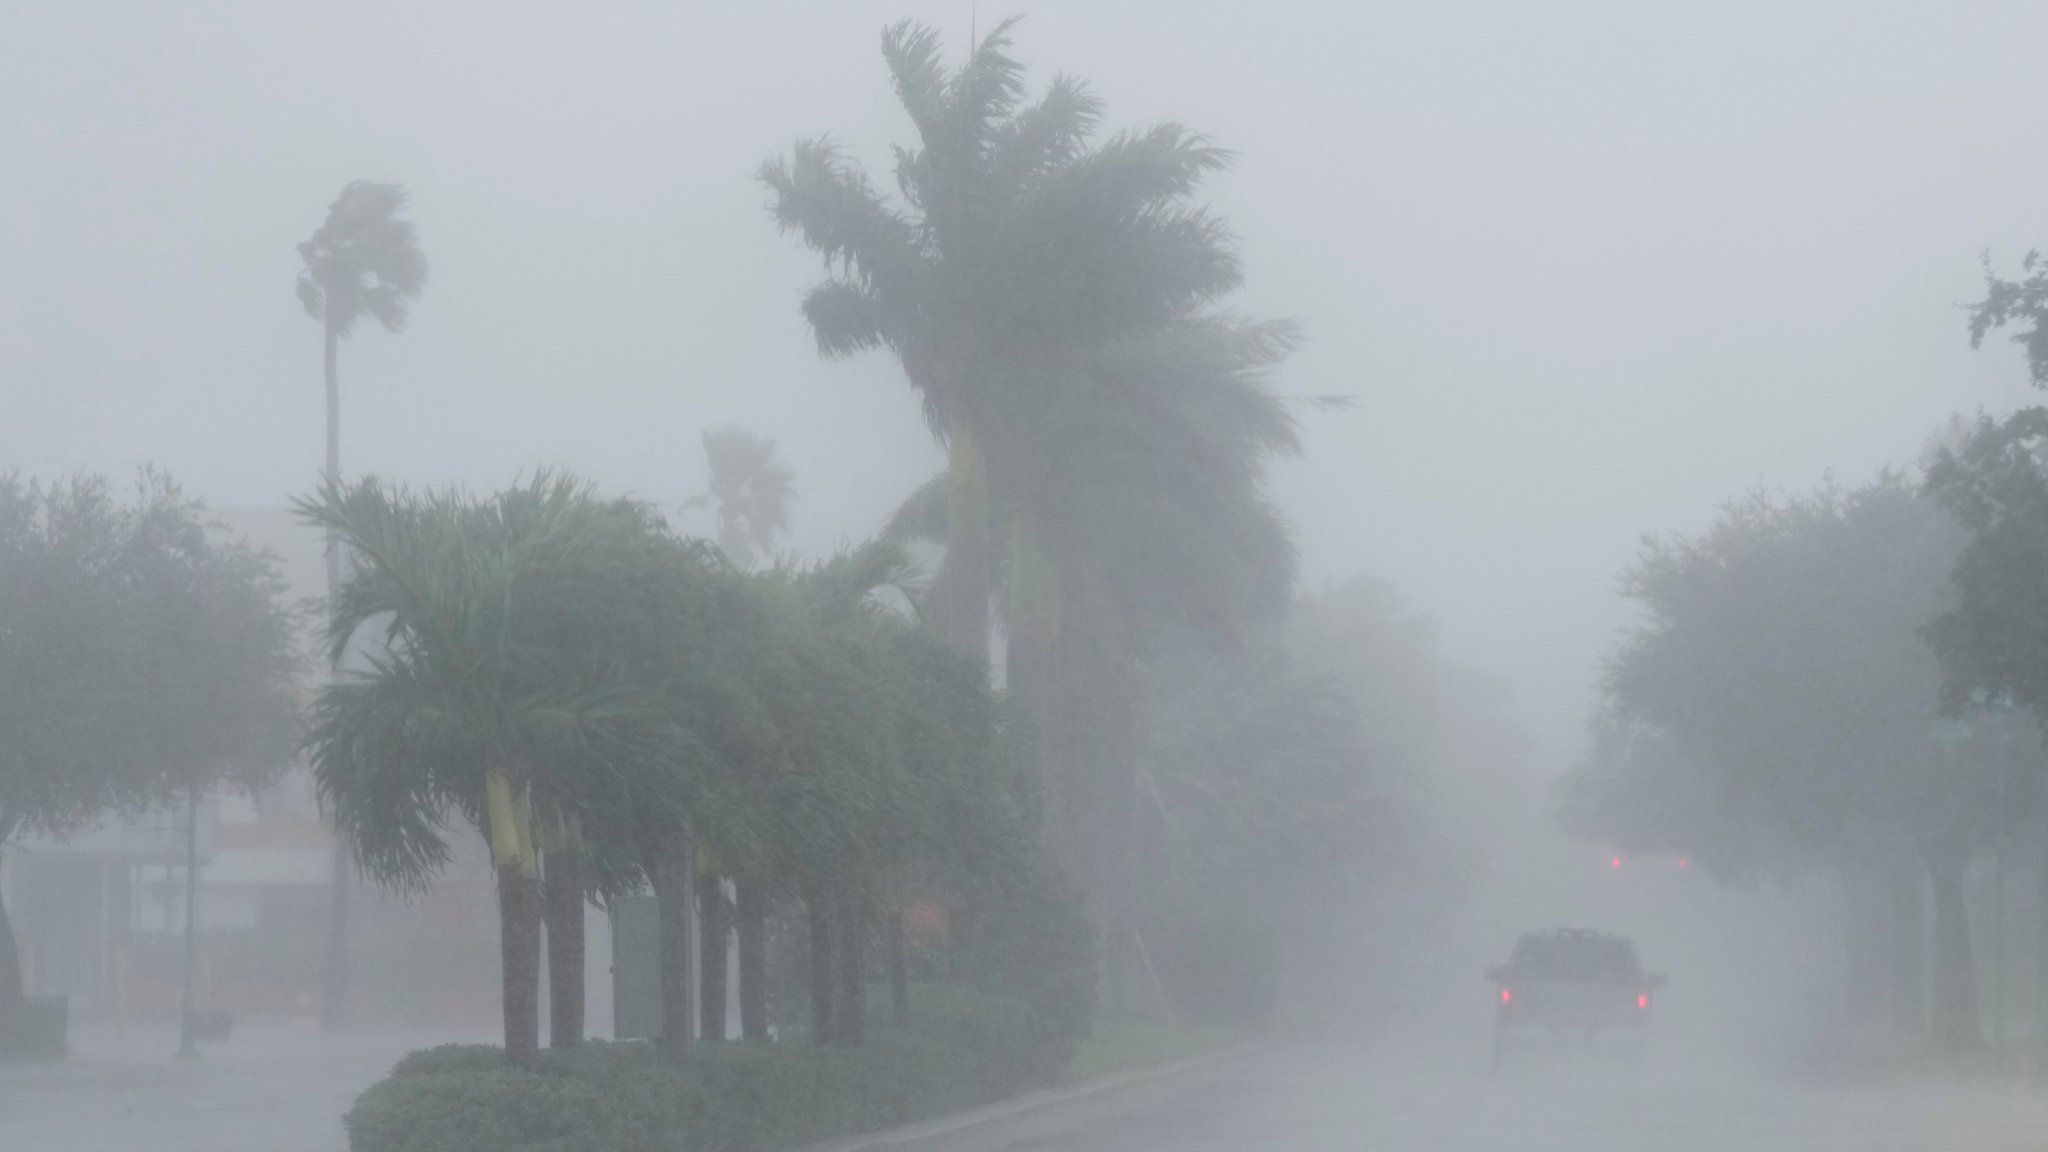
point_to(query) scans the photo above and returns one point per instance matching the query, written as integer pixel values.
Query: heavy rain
(1132, 576)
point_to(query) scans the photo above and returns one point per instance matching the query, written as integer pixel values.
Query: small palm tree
(519, 685)
(364, 260)
(750, 493)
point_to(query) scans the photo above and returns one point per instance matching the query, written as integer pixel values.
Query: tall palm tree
(1054, 302)
(363, 260)
(1017, 239)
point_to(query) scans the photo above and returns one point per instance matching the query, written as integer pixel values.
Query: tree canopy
(750, 494)
(146, 653)
(363, 260)
(566, 674)
(1779, 708)
(145, 657)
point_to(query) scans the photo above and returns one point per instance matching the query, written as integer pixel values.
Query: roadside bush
(1032, 942)
(504, 1109)
(963, 1048)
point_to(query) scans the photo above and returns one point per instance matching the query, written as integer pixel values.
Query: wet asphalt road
(1329, 1099)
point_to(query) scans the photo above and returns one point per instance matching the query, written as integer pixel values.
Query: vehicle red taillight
(1642, 999)
(1507, 996)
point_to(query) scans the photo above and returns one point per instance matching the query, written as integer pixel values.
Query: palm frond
(921, 517)
(846, 318)
(1135, 170)
(830, 202)
(1043, 137)
(985, 91)
(912, 52)
(363, 260)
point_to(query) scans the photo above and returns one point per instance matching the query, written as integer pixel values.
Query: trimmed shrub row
(962, 1049)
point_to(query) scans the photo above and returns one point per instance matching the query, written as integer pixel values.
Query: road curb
(920, 1135)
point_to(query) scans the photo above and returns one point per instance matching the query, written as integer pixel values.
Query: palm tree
(1017, 242)
(520, 683)
(364, 260)
(1055, 304)
(1053, 300)
(750, 494)
(826, 777)
(863, 773)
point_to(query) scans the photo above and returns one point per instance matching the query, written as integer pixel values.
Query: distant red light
(1506, 996)
(1683, 862)
(1616, 862)
(1642, 999)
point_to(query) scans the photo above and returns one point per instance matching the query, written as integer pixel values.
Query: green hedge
(962, 1048)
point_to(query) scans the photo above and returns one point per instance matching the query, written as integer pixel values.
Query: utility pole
(2003, 768)
(2041, 937)
(188, 1009)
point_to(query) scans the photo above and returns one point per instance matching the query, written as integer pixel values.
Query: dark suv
(1571, 983)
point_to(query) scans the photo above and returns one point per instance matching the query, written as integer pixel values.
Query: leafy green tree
(144, 660)
(517, 677)
(1781, 671)
(1993, 476)
(364, 260)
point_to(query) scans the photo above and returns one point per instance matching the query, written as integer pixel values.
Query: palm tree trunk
(564, 880)
(714, 929)
(1909, 937)
(672, 897)
(964, 577)
(334, 977)
(333, 470)
(851, 1004)
(1093, 696)
(899, 969)
(751, 909)
(13, 993)
(1031, 628)
(519, 916)
(818, 912)
(1958, 1027)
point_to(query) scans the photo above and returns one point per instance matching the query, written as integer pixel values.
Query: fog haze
(1575, 274)
(1587, 269)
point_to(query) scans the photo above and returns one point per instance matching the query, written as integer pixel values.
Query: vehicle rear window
(1577, 958)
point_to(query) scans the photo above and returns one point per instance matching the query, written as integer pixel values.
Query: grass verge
(1119, 1046)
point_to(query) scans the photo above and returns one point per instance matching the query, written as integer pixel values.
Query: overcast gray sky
(1588, 269)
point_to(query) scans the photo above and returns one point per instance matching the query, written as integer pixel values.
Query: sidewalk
(274, 1086)
(941, 1133)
